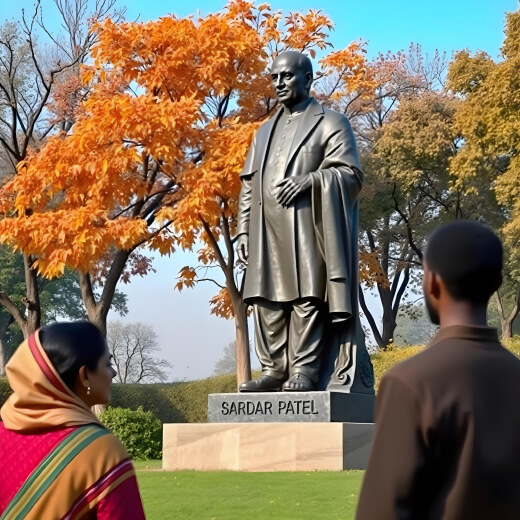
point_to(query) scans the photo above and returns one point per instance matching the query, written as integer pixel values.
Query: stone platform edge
(288, 446)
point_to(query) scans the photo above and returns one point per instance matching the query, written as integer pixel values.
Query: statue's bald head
(291, 74)
(295, 59)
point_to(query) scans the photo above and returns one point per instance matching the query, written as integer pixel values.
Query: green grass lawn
(228, 495)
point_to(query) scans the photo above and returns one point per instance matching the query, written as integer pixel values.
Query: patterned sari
(57, 461)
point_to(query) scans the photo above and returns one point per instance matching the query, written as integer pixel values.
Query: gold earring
(88, 390)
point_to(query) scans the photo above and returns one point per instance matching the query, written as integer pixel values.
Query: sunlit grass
(227, 495)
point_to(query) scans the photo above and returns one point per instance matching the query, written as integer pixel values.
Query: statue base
(275, 431)
(291, 446)
(326, 406)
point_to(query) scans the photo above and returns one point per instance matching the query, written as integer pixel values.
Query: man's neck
(298, 108)
(462, 313)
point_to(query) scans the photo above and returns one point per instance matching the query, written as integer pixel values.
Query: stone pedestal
(275, 431)
(267, 446)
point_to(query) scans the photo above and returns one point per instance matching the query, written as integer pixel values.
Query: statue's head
(291, 75)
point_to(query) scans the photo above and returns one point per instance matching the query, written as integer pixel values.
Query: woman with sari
(57, 461)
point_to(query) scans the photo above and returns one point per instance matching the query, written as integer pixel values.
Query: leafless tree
(227, 364)
(133, 346)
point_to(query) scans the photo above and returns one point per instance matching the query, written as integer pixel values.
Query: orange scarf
(40, 399)
(83, 468)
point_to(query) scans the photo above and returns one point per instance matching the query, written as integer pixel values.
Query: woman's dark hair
(70, 346)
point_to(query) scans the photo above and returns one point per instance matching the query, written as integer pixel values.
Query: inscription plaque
(291, 407)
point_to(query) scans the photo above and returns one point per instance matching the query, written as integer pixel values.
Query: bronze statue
(297, 234)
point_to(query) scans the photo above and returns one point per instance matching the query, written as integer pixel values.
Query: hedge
(185, 402)
(188, 401)
(384, 360)
(139, 431)
(5, 390)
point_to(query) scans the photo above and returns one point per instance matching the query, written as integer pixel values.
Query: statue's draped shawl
(336, 215)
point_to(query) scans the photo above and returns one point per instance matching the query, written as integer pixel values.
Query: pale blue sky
(190, 338)
(444, 24)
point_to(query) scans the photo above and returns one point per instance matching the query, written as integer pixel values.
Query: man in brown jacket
(447, 440)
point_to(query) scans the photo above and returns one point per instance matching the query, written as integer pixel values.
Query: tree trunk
(3, 357)
(390, 298)
(32, 300)
(3, 339)
(389, 325)
(239, 307)
(97, 311)
(383, 338)
(507, 329)
(28, 321)
(242, 338)
(371, 321)
(506, 321)
(388, 321)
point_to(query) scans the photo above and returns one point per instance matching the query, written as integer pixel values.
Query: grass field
(228, 495)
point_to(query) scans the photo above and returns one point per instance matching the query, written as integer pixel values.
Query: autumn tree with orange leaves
(156, 147)
(237, 115)
(35, 66)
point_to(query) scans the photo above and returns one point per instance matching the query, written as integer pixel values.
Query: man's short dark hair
(467, 255)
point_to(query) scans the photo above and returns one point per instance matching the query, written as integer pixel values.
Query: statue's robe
(320, 235)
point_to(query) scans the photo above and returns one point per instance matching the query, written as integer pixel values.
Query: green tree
(409, 189)
(405, 136)
(60, 299)
(414, 327)
(488, 119)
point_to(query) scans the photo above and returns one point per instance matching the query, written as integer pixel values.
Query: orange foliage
(187, 278)
(305, 31)
(221, 305)
(66, 97)
(370, 271)
(153, 158)
(351, 72)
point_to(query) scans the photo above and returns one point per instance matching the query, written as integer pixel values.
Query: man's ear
(431, 285)
(310, 79)
(435, 285)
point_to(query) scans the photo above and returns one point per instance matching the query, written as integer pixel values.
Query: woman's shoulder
(108, 442)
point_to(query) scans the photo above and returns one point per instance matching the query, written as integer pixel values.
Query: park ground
(229, 495)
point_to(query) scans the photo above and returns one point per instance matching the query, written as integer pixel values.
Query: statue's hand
(293, 187)
(243, 249)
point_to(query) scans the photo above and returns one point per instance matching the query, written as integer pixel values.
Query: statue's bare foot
(298, 383)
(262, 384)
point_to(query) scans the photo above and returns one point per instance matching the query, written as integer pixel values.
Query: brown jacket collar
(466, 332)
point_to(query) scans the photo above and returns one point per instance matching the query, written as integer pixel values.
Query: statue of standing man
(297, 234)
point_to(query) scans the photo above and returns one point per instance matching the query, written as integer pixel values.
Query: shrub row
(384, 360)
(185, 402)
(188, 401)
(5, 390)
(139, 431)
